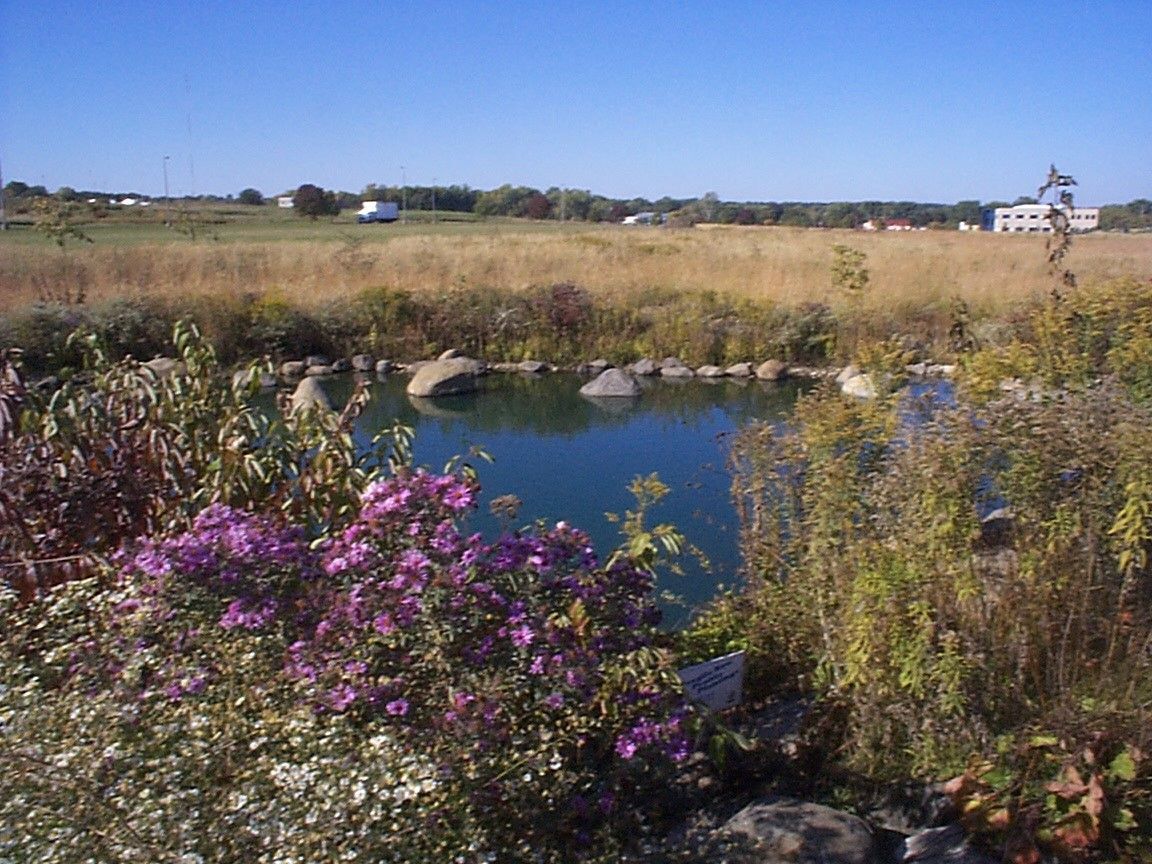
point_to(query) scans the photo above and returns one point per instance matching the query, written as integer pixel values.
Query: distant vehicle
(378, 211)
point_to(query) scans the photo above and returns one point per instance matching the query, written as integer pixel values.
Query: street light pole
(3, 220)
(167, 199)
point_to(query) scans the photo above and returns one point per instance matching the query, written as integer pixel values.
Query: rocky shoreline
(453, 372)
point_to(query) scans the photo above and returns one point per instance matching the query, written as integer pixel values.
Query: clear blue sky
(927, 101)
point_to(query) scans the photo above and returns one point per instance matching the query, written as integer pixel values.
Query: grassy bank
(711, 295)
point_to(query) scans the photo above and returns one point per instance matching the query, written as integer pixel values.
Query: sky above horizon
(757, 101)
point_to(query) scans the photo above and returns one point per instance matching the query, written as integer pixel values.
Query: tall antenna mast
(3, 221)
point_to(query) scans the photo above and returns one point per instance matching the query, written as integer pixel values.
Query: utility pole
(403, 196)
(3, 220)
(434, 219)
(167, 199)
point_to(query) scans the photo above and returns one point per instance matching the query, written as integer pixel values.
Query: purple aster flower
(522, 636)
(625, 747)
(340, 697)
(397, 707)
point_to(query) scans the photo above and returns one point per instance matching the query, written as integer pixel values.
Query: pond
(570, 458)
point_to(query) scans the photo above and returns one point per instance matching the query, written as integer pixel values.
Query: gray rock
(860, 386)
(613, 383)
(383, 367)
(413, 368)
(533, 366)
(505, 367)
(315, 371)
(343, 364)
(241, 377)
(942, 369)
(363, 362)
(772, 370)
(599, 365)
(710, 372)
(849, 371)
(996, 528)
(292, 369)
(309, 392)
(162, 367)
(949, 845)
(451, 354)
(445, 377)
(676, 372)
(739, 370)
(918, 369)
(644, 367)
(316, 360)
(801, 833)
(672, 363)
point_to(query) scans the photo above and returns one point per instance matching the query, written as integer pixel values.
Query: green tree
(313, 201)
(250, 196)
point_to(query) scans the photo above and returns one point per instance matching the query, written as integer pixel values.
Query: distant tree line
(581, 205)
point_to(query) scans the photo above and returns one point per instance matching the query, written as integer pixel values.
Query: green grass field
(238, 223)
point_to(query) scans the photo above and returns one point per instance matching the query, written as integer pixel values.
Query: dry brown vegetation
(775, 266)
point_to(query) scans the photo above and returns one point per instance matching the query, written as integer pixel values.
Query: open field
(311, 263)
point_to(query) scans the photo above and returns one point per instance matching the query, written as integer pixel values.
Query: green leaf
(1123, 767)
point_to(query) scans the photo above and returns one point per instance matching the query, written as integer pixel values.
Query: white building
(1033, 219)
(285, 201)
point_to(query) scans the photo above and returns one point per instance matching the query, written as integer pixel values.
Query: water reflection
(569, 457)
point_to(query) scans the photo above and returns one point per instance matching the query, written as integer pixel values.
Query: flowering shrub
(395, 692)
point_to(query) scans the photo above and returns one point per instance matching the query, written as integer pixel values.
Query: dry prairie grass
(910, 272)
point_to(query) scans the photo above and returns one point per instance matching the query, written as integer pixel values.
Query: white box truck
(378, 211)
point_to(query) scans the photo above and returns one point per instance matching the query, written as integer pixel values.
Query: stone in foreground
(799, 832)
(611, 383)
(860, 386)
(772, 370)
(309, 392)
(444, 378)
(162, 367)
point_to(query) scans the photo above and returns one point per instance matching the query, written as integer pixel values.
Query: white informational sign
(716, 683)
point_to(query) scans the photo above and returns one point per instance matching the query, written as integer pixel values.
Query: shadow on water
(569, 457)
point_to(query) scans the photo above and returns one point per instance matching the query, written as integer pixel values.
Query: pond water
(568, 457)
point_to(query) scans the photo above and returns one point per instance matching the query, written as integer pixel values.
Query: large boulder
(800, 833)
(860, 386)
(383, 367)
(310, 392)
(533, 367)
(451, 354)
(445, 377)
(849, 371)
(341, 364)
(739, 370)
(363, 362)
(676, 372)
(292, 369)
(710, 371)
(162, 367)
(772, 370)
(316, 360)
(948, 845)
(644, 367)
(242, 377)
(611, 383)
